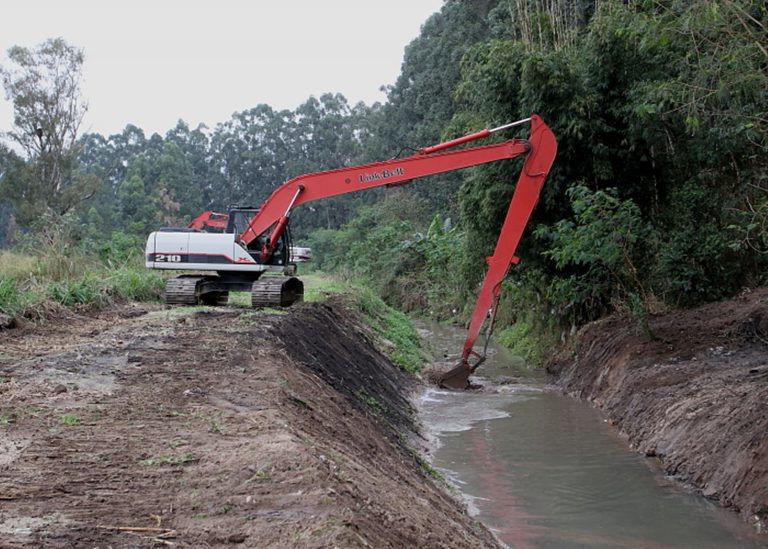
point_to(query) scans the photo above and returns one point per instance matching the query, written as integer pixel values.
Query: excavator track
(182, 290)
(282, 291)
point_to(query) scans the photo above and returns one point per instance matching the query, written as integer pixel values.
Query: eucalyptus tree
(250, 153)
(326, 136)
(195, 146)
(10, 166)
(44, 87)
(421, 102)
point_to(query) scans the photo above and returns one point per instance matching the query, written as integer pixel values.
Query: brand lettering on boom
(383, 174)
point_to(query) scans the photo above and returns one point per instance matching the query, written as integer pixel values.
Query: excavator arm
(538, 162)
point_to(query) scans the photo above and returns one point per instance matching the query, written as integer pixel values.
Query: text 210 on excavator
(257, 240)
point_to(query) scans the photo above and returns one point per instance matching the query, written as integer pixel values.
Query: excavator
(238, 249)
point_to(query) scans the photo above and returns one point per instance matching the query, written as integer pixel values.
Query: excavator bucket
(456, 378)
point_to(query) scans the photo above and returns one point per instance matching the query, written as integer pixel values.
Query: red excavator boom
(240, 259)
(276, 210)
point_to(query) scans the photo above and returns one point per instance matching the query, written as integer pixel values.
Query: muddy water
(543, 470)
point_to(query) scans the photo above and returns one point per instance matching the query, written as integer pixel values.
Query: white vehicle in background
(300, 254)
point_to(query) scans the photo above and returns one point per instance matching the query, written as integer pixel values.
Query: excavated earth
(146, 426)
(696, 396)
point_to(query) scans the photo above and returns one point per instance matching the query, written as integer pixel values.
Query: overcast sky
(151, 63)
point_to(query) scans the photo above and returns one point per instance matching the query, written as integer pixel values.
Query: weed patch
(520, 338)
(427, 469)
(216, 425)
(402, 342)
(397, 336)
(135, 284)
(261, 473)
(373, 404)
(318, 287)
(70, 419)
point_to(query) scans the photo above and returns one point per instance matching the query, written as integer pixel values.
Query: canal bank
(695, 397)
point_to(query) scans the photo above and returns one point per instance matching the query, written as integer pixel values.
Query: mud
(696, 397)
(147, 426)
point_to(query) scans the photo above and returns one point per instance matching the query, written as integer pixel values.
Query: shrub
(596, 253)
(136, 283)
(85, 291)
(393, 326)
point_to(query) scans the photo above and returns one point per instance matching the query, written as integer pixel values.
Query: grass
(30, 284)
(401, 342)
(66, 277)
(262, 473)
(216, 425)
(136, 283)
(427, 468)
(70, 419)
(526, 340)
(373, 403)
(16, 266)
(393, 326)
(318, 287)
(14, 300)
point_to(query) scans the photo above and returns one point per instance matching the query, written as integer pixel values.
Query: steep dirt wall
(697, 397)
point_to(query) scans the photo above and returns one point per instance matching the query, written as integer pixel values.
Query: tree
(251, 154)
(195, 145)
(44, 86)
(138, 210)
(324, 137)
(421, 102)
(9, 163)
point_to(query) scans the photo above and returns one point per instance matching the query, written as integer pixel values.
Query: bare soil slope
(697, 397)
(147, 427)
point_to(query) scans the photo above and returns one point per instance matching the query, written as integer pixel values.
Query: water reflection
(543, 470)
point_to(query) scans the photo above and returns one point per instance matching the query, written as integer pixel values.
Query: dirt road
(146, 426)
(696, 396)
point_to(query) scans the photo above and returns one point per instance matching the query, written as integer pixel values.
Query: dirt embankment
(149, 426)
(697, 398)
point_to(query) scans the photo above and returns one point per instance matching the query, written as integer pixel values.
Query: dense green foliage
(658, 196)
(659, 191)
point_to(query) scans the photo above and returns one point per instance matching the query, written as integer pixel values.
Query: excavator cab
(238, 218)
(237, 222)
